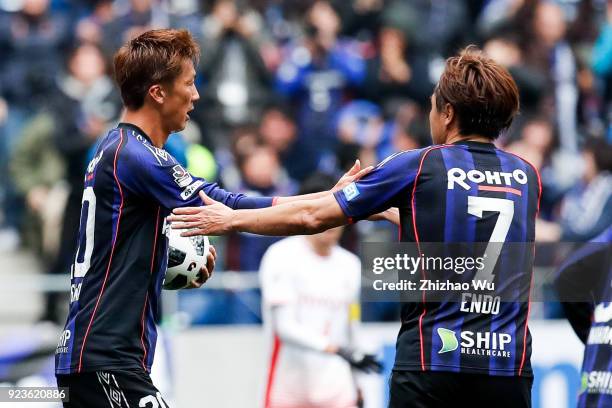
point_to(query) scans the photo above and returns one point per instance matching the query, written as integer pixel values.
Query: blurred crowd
(296, 88)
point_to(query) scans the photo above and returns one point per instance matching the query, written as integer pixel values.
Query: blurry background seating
(290, 87)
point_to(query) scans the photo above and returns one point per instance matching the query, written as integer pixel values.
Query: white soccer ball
(186, 256)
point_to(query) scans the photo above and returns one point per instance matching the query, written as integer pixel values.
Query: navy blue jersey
(119, 266)
(588, 274)
(468, 192)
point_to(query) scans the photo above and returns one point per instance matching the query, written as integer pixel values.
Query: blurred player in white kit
(310, 287)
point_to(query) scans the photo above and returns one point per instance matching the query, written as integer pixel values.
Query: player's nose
(195, 95)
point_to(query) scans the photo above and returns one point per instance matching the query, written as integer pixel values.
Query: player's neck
(454, 138)
(150, 123)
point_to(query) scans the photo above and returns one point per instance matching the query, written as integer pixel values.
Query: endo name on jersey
(467, 192)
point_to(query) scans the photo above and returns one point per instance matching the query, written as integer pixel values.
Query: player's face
(180, 97)
(436, 123)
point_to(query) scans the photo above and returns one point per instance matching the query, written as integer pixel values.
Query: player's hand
(206, 271)
(360, 361)
(212, 219)
(354, 174)
(392, 214)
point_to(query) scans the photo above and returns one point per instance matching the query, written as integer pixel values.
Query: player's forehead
(187, 69)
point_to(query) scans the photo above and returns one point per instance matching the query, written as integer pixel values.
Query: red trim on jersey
(274, 201)
(110, 260)
(144, 307)
(531, 282)
(537, 175)
(272, 371)
(502, 189)
(416, 237)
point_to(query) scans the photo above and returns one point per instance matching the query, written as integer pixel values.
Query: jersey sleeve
(382, 188)
(153, 173)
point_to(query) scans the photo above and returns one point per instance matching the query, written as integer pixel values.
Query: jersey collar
(136, 129)
(483, 145)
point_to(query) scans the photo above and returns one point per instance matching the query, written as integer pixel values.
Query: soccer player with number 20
(105, 352)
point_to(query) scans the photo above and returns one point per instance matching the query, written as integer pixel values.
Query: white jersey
(307, 301)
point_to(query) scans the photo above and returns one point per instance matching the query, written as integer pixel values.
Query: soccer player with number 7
(461, 189)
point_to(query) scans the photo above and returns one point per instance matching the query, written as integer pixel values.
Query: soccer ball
(186, 255)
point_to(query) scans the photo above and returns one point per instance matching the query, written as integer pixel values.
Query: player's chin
(180, 126)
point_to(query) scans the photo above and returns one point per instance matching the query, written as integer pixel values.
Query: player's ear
(157, 93)
(448, 114)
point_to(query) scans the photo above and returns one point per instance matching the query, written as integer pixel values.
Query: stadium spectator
(236, 81)
(138, 17)
(90, 28)
(360, 18)
(31, 44)
(38, 170)
(408, 52)
(497, 16)
(82, 108)
(602, 66)
(587, 209)
(261, 175)
(278, 130)
(315, 77)
(537, 144)
(531, 82)
(547, 49)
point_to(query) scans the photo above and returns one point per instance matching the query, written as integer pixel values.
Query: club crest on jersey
(459, 176)
(160, 154)
(351, 191)
(181, 176)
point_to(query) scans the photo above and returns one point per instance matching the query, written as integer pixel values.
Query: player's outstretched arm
(294, 218)
(353, 174)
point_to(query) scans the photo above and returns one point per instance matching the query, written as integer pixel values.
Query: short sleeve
(381, 188)
(153, 173)
(276, 281)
